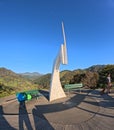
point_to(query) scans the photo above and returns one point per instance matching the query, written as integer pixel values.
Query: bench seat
(69, 87)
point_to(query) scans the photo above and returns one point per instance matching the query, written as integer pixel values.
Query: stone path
(79, 111)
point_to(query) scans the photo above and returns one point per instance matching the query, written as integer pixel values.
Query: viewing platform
(87, 110)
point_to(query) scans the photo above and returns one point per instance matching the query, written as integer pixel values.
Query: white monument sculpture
(56, 90)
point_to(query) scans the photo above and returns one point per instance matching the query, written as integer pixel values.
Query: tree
(87, 78)
(103, 74)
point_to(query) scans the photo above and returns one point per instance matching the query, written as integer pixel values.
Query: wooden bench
(69, 87)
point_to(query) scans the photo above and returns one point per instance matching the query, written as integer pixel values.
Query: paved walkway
(78, 111)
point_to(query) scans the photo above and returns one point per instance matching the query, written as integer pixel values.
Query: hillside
(91, 76)
(43, 81)
(10, 82)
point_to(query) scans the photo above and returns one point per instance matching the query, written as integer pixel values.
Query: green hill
(43, 81)
(93, 77)
(10, 82)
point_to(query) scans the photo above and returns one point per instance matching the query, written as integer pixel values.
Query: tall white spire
(65, 59)
(56, 90)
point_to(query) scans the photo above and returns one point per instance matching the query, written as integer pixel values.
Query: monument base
(56, 90)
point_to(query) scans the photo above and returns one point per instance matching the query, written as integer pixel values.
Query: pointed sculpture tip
(62, 24)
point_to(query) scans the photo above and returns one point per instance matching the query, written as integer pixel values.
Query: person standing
(109, 84)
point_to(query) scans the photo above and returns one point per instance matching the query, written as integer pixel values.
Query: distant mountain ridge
(7, 72)
(95, 68)
(31, 73)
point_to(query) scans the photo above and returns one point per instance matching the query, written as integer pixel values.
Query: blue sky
(31, 33)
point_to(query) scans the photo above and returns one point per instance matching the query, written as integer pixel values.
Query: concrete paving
(87, 110)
